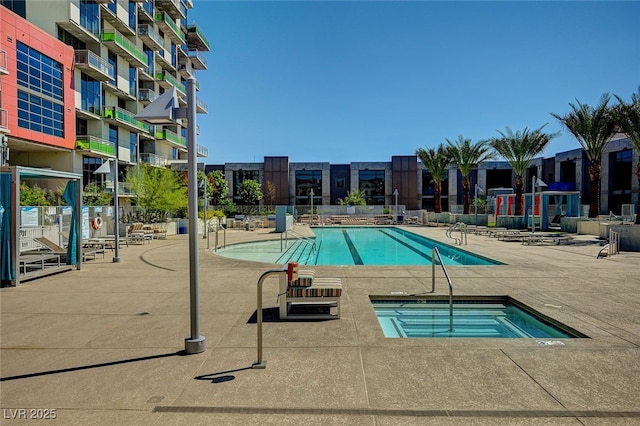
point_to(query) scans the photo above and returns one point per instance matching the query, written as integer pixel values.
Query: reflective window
(371, 183)
(306, 181)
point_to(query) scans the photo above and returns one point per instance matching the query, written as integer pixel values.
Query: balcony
(202, 151)
(165, 60)
(116, 42)
(125, 95)
(197, 60)
(146, 96)
(4, 120)
(148, 73)
(151, 136)
(153, 159)
(94, 66)
(166, 80)
(169, 136)
(185, 69)
(173, 8)
(120, 25)
(3, 62)
(166, 24)
(145, 12)
(152, 39)
(96, 146)
(201, 107)
(196, 39)
(124, 118)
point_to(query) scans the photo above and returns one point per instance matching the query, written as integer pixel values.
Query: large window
(89, 166)
(90, 89)
(371, 183)
(133, 82)
(133, 147)
(40, 92)
(621, 175)
(306, 181)
(90, 16)
(132, 14)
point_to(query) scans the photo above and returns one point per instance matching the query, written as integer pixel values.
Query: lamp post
(311, 194)
(104, 169)
(164, 111)
(395, 194)
(475, 202)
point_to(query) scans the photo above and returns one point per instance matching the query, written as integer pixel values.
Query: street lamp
(534, 181)
(311, 194)
(475, 202)
(164, 111)
(395, 193)
(105, 168)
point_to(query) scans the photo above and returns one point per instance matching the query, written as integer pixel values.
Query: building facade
(76, 73)
(566, 171)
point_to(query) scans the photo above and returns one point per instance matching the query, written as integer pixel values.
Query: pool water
(471, 319)
(346, 246)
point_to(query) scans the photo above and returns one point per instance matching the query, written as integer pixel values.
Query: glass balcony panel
(196, 39)
(168, 25)
(95, 145)
(121, 45)
(94, 66)
(153, 39)
(126, 118)
(197, 60)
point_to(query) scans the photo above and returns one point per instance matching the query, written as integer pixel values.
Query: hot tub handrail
(435, 252)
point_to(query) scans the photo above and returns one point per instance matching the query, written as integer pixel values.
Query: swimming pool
(346, 246)
(498, 317)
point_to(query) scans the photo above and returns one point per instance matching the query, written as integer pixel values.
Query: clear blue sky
(361, 81)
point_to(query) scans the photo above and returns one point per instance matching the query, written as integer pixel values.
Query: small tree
(158, 191)
(95, 195)
(250, 193)
(33, 195)
(353, 198)
(269, 194)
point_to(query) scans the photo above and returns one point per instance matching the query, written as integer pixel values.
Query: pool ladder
(458, 226)
(436, 253)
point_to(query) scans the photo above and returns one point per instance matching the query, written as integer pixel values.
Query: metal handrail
(435, 252)
(306, 240)
(462, 227)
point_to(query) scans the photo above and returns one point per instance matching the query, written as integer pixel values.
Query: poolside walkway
(102, 345)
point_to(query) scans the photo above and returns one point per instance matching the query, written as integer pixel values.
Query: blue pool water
(355, 246)
(471, 319)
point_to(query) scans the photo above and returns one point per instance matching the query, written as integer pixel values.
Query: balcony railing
(171, 80)
(167, 24)
(3, 62)
(4, 120)
(96, 145)
(153, 39)
(94, 66)
(172, 137)
(153, 159)
(186, 70)
(197, 60)
(202, 151)
(201, 107)
(146, 95)
(196, 38)
(124, 117)
(120, 44)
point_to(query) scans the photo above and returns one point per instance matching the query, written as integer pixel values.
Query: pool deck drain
(76, 343)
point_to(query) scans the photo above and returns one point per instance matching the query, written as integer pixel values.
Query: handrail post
(260, 363)
(435, 252)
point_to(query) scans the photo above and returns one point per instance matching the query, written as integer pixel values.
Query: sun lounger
(318, 295)
(554, 239)
(55, 249)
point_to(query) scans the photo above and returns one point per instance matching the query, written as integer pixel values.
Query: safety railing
(458, 226)
(436, 253)
(298, 237)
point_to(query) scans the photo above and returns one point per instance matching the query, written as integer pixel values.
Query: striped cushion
(315, 291)
(303, 281)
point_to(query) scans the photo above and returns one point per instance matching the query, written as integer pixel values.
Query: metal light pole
(116, 210)
(476, 206)
(196, 343)
(311, 194)
(204, 207)
(533, 205)
(395, 193)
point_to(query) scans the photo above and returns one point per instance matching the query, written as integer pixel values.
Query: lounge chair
(55, 249)
(313, 292)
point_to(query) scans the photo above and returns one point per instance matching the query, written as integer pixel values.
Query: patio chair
(319, 294)
(54, 248)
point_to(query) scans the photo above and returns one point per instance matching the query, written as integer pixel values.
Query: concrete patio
(103, 345)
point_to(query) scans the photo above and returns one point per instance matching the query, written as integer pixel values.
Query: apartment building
(109, 59)
(404, 174)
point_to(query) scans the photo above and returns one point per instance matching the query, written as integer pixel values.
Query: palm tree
(628, 118)
(519, 149)
(436, 161)
(466, 157)
(593, 128)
